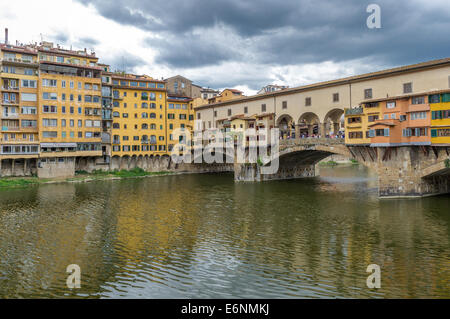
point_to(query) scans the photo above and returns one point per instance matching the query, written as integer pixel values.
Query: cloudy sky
(242, 44)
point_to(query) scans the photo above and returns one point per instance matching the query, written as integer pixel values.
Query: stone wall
(56, 169)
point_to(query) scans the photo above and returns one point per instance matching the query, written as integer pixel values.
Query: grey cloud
(125, 62)
(286, 32)
(191, 50)
(60, 37)
(88, 41)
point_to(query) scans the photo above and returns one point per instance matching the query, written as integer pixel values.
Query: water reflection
(205, 236)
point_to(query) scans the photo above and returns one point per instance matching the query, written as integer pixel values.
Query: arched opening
(334, 123)
(308, 125)
(286, 125)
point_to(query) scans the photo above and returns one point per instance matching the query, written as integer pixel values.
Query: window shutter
(433, 133)
(417, 132)
(386, 132)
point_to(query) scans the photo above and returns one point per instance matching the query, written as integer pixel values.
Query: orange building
(404, 120)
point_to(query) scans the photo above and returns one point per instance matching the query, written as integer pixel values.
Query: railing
(313, 141)
(355, 111)
(10, 115)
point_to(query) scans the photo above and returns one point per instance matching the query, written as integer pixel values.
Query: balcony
(10, 115)
(10, 102)
(19, 62)
(10, 88)
(355, 111)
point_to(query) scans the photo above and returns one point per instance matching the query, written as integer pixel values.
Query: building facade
(318, 109)
(139, 116)
(19, 110)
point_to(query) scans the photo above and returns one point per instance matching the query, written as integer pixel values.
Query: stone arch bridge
(406, 171)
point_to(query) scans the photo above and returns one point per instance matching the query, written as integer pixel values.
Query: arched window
(144, 139)
(116, 125)
(153, 139)
(144, 105)
(145, 115)
(153, 126)
(116, 114)
(145, 126)
(153, 115)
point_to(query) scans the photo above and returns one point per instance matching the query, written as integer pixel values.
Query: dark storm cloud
(192, 50)
(285, 32)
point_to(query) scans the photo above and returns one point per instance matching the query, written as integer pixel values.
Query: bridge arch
(285, 124)
(308, 124)
(332, 121)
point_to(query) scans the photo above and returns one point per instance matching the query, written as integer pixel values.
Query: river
(203, 236)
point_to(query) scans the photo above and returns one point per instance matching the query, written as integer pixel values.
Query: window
(245, 109)
(199, 116)
(352, 120)
(353, 135)
(390, 105)
(263, 107)
(418, 100)
(372, 118)
(63, 123)
(284, 105)
(28, 97)
(46, 134)
(407, 88)
(49, 109)
(382, 132)
(29, 84)
(229, 112)
(368, 93)
(308, 101)
(436, 98)
(439, 115)
(28, 110)
(418, 115)
(49, 83)
(49, 122)
(50, 96)
(335, 97)
(215, 114)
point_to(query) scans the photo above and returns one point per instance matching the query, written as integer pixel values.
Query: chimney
(6, 35)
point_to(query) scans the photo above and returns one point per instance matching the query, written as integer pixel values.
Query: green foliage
(447, 163)
(354, 161)
(260, 162)
(329, 163)
(14, 182)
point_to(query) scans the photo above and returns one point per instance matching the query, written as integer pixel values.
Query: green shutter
(433, 133)
(446, 97)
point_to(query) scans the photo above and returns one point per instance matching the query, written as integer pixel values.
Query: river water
(203, 236)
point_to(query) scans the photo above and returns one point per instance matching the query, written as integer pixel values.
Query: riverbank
(81, 177)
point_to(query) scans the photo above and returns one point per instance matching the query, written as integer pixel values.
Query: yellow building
(19, 103)
(440, 117)
(226, 95)
(357, 121)
(180, 115)
(139, 116)
(69, 108)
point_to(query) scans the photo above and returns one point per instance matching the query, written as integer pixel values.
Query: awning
(58, 144)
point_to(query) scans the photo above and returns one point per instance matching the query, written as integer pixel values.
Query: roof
(18, 49)
(347, 80)
(233, 90)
